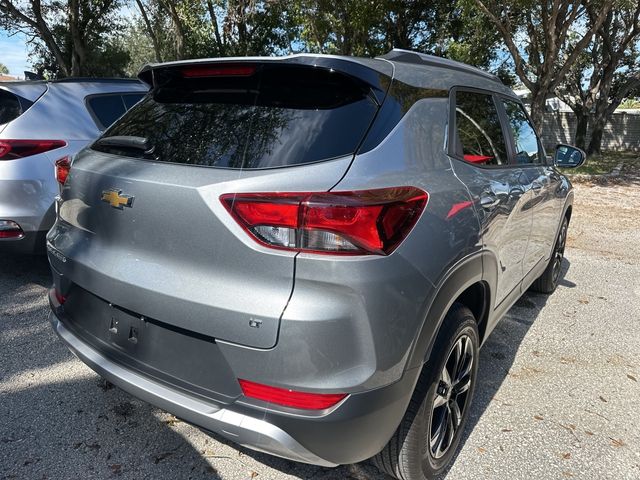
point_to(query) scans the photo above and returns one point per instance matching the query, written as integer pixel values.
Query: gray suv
(40, 123)
(304, 254)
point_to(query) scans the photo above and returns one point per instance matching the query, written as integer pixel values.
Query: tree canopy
(585, 51)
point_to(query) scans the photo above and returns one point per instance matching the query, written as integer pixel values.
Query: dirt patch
(606, 215)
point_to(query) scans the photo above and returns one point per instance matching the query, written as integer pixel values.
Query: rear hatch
(141, 224)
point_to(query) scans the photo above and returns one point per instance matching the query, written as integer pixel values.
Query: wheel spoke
(457, 357)
(462, 386)
(437, 437)
(446, 378)
(456, 414)
(439, 401)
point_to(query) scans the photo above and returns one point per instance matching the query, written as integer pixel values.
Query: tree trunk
(78, 53)
(538, 107)
(595, 145)
(170, 8)
(602, 108)
(152, 34)
(582, 118)
(216, 30)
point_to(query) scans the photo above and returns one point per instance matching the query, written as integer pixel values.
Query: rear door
(543, 180)
(141, 223)
(498, 188)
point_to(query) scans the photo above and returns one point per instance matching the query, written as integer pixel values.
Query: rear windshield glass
(277, 116)
(11, 106)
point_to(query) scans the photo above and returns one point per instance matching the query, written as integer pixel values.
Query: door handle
(489, 201)
(516, 192)
(536, 186)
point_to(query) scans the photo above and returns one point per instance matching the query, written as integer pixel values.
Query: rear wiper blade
(125, 141)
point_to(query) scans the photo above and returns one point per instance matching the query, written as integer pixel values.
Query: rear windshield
(277, 116)
(11, 106)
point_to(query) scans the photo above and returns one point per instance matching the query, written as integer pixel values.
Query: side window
(106, 109)
(479, 137)
(527, 145)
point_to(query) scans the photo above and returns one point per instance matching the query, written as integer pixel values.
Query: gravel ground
(558, 393)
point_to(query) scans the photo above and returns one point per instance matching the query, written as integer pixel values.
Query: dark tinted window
(479, 137)
(278, 116)
(131, 99)
(106, 109)
(10, 107)
(527, 145)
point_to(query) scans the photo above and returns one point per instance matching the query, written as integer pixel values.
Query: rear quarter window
(11, 106)
(106, 109)
(280, 116)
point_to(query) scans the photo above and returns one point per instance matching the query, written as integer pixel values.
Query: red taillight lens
(221, 70)
(63, 166)
(356, 223)
(290, 398)
(10, 229)
(12, 149)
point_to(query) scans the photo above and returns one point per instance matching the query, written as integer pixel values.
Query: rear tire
(548, 281)
(430, 431)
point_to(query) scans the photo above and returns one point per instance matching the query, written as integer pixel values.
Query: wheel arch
(465, 283)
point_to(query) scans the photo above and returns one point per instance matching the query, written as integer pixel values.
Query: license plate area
(171, 355)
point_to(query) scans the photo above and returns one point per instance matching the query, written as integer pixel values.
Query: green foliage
(630, 103)
(3, 69)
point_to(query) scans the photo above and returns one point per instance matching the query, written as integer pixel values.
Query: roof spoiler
(151, 74)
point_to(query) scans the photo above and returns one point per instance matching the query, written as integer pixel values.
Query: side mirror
(569, 157)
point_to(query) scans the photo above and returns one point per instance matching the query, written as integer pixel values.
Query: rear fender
(475, 268)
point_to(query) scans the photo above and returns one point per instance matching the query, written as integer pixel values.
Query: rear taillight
(62, 167)
(220, 70)
(352, 223)
(12, 149)
(290, 398)
(10, 229)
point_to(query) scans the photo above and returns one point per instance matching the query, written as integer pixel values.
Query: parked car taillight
(63, 165)
(353, 223)
(12, 149)
(10, 229)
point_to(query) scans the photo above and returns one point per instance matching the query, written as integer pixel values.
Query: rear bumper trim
(242, 429)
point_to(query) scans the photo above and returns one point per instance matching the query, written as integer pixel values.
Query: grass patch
(603, 164)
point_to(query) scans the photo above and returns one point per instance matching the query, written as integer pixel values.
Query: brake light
(62, 168)
(10, 229)
(12, 149)
(290, 398)
(220, 70)
(353, 223)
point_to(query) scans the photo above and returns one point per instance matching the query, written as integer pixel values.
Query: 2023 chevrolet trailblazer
(304, 254)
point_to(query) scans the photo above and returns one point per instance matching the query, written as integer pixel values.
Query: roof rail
(416, 58)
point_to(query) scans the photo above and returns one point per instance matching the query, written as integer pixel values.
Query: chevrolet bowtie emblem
(115, 198)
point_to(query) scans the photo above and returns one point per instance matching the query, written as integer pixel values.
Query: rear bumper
(242, 429)
(354, 431)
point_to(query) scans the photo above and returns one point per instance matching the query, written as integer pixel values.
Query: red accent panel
(477, 158)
